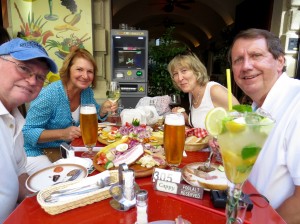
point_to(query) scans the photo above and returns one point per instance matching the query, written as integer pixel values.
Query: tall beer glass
(174, 139)
(89, 128)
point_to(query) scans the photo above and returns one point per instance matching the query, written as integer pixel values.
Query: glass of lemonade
(89, 128)
(241, 136)
(174, 139)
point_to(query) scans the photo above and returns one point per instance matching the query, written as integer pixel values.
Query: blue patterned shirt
(49, 111)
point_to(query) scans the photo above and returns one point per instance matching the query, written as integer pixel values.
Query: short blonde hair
(64, 72)
(190, 61)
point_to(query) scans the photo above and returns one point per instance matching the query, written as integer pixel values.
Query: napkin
(83, 149)
(198, 132)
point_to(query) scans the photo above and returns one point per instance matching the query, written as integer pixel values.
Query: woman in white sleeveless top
(190, 76)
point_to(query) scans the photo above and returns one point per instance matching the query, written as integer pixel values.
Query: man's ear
(280, 63)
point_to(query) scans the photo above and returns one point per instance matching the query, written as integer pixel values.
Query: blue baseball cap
(23, 50)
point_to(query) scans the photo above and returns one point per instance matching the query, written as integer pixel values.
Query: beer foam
(88, 110)
(175, 119)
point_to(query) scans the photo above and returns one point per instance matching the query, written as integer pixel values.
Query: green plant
(159, 80)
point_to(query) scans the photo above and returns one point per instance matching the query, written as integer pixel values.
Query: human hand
(107, 107)
(214, 145)
(71, 133)
(178, 109)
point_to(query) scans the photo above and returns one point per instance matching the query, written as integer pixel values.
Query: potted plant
(159, 81)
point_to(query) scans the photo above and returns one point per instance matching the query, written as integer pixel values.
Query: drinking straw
(229, 89)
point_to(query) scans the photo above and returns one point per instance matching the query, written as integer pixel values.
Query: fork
(101, 183)
(76, 174)
(207, 162)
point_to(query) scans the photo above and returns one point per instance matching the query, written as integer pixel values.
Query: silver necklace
(195, 102)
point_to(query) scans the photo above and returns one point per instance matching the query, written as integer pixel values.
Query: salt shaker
(128, 186)
(142, 207)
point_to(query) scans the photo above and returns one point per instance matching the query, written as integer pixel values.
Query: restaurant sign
(180, 189)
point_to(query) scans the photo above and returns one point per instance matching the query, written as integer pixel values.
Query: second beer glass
(174, 139)
(89, 128)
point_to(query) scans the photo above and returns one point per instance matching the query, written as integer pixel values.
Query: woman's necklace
(196, 100)
(68, 95)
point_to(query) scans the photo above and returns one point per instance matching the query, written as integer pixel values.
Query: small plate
(218, 181)
(105, 124)
(44, 178)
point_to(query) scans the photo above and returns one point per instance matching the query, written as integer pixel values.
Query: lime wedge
(213, 120)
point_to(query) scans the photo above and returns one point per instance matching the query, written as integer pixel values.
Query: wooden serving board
(138, 169)
(105, 142)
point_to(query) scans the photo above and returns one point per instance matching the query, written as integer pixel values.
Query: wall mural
(60, 26)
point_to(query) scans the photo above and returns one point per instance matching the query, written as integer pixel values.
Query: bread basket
(196, 146)
(75, 201)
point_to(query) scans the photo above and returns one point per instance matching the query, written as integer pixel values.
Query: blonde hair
(64, 72)
(190, 61)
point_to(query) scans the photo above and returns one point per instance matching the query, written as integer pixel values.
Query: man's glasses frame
(41, 79)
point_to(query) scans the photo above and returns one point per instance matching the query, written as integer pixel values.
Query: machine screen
(129, 58)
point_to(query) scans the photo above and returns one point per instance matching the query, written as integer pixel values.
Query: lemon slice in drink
(236, 125)
(213, 120)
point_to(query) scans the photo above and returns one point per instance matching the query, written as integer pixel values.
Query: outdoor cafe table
(161, 206)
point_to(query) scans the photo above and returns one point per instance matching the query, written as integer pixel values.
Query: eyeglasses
(41, 79)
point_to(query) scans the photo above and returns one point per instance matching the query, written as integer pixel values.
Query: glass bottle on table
(89, 128)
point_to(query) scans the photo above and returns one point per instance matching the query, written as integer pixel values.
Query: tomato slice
(102, 155)
(114, 129)
(58, 169)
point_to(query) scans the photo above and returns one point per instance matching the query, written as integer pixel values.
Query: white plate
(105, 124)
(86, 162)
(44, 178)
(220, 183)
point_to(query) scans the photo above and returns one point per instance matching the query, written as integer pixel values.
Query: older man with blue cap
(24, 66)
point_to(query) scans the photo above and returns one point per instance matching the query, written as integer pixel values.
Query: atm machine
(130, 64)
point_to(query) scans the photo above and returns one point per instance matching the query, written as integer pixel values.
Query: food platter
(45, 177)
(110, 134)
(159, 141)
(138, 146)
(138, 169)
(213, 180)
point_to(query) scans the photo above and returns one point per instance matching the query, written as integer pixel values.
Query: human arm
(23, 191)
(182, 110)
(290, 209)
(67, 134)
(219, 96)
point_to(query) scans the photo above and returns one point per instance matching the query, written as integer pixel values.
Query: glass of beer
(174, 139)
(89, 128)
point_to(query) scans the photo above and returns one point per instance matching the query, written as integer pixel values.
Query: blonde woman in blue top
(53, 117)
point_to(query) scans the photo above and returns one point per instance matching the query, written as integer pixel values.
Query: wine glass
(89, 128)
(174, 138)
(175, 101)
(114, 94)
(240, 141)
(51, 16)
